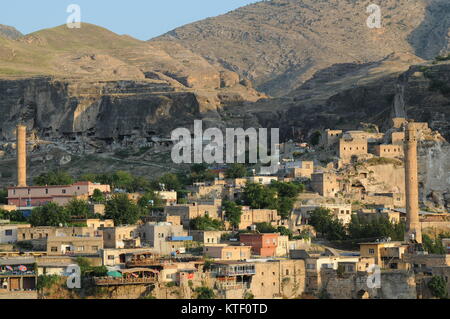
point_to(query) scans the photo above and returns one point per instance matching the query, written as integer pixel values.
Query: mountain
(91, 82)
(280, 44)
(9, 32)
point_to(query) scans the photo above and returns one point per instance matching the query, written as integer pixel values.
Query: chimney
(413, 228)
(21, 133)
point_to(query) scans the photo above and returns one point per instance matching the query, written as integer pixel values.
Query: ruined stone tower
(413, 228)
(21, 133)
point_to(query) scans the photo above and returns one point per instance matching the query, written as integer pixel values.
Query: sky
(142, 19)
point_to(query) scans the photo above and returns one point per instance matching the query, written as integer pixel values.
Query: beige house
(387, 254)
(8, 232)
(254, 216)
(226, 252)
(170, 197)
(32, 196)
(342, 211)
(388, 150)
(264, 180)
(122, 237)
(331, 137)
(325, 183)
(349, 148)
(75, 245)
(207, 236)
(187, 212)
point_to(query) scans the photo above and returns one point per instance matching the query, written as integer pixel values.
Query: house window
(54, 249)
(110, 257)
(371, 251)
(8, 232)
(80, 248)
(46, 191)
(95, 248)
(63, 191)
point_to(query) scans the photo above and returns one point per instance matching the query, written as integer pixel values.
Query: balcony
(235, 270)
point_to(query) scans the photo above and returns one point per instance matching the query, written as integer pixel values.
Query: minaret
(413, 228)
(21, 146)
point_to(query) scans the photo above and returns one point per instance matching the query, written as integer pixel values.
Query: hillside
(279, 44)
(9, 32)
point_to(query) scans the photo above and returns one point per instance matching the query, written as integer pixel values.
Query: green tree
(233, 213)
(78, 208)
(122, 210)
(51, 214)
(201, 173)
(204, 293)
(150, 200)
(438, 287)
(259, 197)
(206, 223)
(236, 170)
(265, 228)
(285, 232)
(361, 227)
(433, 246)
(286, 196)
(56, 177)
(171, 181)
(17, 216)
(98, 196)
(327, 224)
(3, 196)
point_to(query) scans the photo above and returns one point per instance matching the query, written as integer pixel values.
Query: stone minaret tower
(21, 146)
(413, 228)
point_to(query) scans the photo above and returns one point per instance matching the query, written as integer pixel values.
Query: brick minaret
(413, 228)
(21, 146)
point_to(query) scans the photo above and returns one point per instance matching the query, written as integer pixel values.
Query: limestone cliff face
(100, 110)
(394, 285)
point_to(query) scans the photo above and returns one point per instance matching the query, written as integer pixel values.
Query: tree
(150, 200)
(122, 210)
(286, 195)
(236, 170)
(233, 213)
(170, 181)
(265, 228)
(438, 287)
(98, 196)
(201, 173)
(54, 178)
(433, 246)
(327, 224)
(79, 208)
(51, 214)
(206, 223)
(285, 232)
(3, 196)
(360, 228)
(14, 216)
(259, 197)
(204, 293)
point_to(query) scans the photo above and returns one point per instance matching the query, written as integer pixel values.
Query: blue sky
(142, 19)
